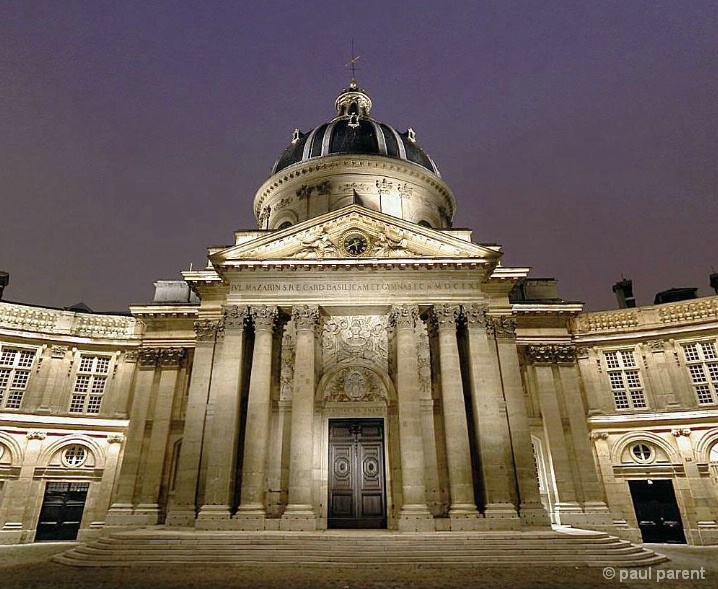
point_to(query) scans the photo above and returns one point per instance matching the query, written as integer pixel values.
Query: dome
(354, 131)
(354, 159)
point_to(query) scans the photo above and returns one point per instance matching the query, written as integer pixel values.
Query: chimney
(4, 281)
(714, 281)
(624, 293)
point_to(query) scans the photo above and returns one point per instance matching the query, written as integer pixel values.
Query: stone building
(356, 362)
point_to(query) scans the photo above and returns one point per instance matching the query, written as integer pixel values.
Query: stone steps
(382, 548)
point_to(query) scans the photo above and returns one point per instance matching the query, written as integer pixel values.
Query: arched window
(424, 223)
(284, 225)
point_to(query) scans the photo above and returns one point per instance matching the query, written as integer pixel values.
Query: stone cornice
(45, 322)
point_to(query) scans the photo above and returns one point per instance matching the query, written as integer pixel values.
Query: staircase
(154, 546)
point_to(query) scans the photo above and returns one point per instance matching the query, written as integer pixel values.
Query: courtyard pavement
(29, 566)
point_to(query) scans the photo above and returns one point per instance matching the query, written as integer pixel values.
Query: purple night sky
(582, 136)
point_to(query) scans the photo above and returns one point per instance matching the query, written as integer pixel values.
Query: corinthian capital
(264, 317)
(403, 316)
(148, 357)
(503, 326)
(207, 329)
(306, 316)
(445, 316)
(475, 315)
(171, 357)
(235, 317)
(552, 354)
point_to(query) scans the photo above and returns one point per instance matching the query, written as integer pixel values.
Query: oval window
(642, 453)
(284, 225)
(74, 456)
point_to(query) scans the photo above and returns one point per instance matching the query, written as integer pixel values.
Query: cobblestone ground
(29, 566)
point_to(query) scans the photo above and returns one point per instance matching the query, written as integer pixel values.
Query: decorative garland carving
(681, 431)
(131, 356)
(424, 360)
(286, 371)
(656, 345)
(354, 384)
(115, 438)
(598, 436)
(36, 435)
(552, 354)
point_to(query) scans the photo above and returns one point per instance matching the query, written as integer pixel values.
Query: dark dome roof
(353, 131)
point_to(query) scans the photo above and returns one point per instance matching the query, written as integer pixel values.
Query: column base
(464, 517)
(183, 518)
(533, 515)
(500, 511)
(416, 521)
(213, 512)
(298, 518)
(251, 518)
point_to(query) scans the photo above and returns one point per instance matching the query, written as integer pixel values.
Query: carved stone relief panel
(355, 338)
(352, 384)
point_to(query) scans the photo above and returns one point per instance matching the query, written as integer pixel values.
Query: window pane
(612, 359)
(633, 380)
(26, 358)
(709, 351)
(616, 379)
(638, 399)
(697, 374)
(76, 405)
(103, 365)
(7, 357)
(621, 399)
(691, 351)
(628, 359)
(14, 400)
(704, 394)
(86, 363)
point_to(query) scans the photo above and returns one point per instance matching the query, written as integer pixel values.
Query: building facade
(355, 362)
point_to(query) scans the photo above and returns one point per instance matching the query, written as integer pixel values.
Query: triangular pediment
(354, 233)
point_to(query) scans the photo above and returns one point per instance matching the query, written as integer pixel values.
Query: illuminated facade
(355, 362)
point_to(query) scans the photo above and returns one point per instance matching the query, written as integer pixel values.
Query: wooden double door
(657, 512)
(61, 512)
(357, 480)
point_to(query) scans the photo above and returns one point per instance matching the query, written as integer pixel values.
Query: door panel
(657, 512)
(357, 494)
(61, 512)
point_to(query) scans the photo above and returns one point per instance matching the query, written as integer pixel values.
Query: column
(414, 515)
(461, 489)
(596, 512)
(170, 360)
(489, 408)
(299, 514)
(225, 397)
(531, 511)
(56, 382)
(183, 508)
(121, 511)
(252, 512)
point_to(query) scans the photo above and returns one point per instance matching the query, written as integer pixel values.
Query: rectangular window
(15, 367)
(90, 383)
(702, 363)
(625, 380)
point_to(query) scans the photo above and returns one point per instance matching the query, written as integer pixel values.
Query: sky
(580, 135)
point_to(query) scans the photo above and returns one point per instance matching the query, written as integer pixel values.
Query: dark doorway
(357, 494)
(657, 511)
(61, 511)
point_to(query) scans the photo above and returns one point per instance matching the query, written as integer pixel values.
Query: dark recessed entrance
(657, 511)
(61, 511)
(357, 483)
